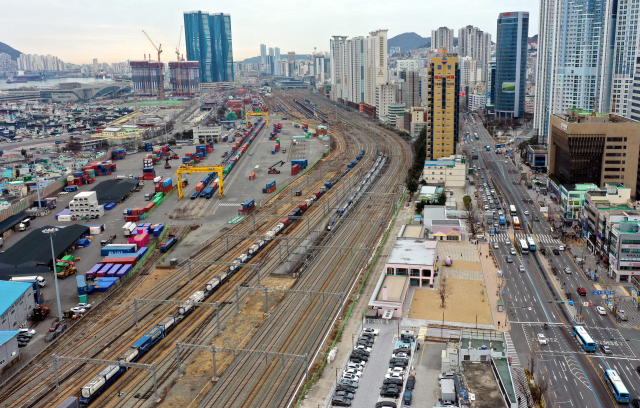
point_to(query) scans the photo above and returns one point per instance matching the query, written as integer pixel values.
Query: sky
(78, 31)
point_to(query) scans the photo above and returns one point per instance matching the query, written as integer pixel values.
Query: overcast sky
(78, 31)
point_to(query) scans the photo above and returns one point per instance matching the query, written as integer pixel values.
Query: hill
(8, 50)
(408, 41)
(255, 60)
(533, 39)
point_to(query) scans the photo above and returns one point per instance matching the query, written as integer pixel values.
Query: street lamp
(52, 231)
(251, 170)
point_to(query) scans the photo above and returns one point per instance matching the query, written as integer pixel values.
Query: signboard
(564, 127)
(596, 292)
(508, 87)
(544, 209)
(630, 246)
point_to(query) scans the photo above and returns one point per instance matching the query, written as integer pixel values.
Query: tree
(420, 206)
(23, 152)
(467, 202)
(411, 184)
(444, 292)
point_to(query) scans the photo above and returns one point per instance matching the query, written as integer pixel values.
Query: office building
(208, 41)
(291, 63)
(263, 56)
(570, 63)
(491, 85)
(411, 89)
(442, 38)
(511, 64)
(184, 77)
(474, 43)
(95, 65)
(271, 52)
(594, 148)
(408, 65)
(443, 107)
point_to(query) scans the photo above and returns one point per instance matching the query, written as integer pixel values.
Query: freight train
(109, 374)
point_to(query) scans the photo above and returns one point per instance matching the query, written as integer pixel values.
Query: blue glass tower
(511, 64)
(208, 40)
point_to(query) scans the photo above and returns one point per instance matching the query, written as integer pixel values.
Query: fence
(27, 202)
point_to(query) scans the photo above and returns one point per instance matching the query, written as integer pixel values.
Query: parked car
(54, 326)
(78, 310)
(346, 388)
(341, 402)
(396, 381)
(372, 331)
(411, 382)
(348, 383)
(390, 392)
(362, 347)
(343, 394)
(386, 404)
(30, 331)
(84, 305)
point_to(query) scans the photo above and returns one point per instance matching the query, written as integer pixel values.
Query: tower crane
(179, 81)
(160, 71)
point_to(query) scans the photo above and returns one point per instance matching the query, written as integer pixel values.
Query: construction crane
(183, 169)
(161, 78)
(179, 81)
(265, 114)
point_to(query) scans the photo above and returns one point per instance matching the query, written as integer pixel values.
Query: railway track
(110, 332)
(298, 325)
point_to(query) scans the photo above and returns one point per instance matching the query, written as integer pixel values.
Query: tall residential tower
(442, 115)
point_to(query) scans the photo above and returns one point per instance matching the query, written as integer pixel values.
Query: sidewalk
(318, 393)
(493, 284)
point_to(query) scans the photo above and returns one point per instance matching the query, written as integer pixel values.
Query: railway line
(113, 330)
(298, 325)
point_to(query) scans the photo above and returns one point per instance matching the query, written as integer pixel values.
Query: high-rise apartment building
(385, 96)
(474, 43)
(263, 56)
(442, 107)
(594, 148)
(511, 64)
(571, 41)
(358, 66)
(184, 77)
(291, 62)
(95, 65)
(278, 62)
(411, 91)
(208, 41)
(442, 38)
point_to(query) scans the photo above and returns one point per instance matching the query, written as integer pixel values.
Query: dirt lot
(465, 301)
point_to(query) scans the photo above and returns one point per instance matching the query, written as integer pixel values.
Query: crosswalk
(511, 349)
(541, 238)
(229, 204)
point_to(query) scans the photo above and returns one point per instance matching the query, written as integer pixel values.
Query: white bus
(531, 243)
(523, 246)
(513, 209)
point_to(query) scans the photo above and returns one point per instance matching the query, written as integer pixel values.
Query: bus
(476, 135)
(516, 223)
(488, 148)
(532, 245)
(617, 387)
(584, 339)
(513, 209)
(523, 246)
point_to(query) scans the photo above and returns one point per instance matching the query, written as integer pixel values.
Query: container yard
(277, 194)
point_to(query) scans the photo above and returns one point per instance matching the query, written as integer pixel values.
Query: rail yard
(269, 314)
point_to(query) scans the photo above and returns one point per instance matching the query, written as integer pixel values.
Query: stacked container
(270, 187)
(85, 205)
(118, 154)
(247, 207)
(148, 147)
(295, 169)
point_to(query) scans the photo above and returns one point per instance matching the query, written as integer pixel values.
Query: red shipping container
(285, 221)
(138, 210)
(215, 186)
(149, 206)
(188, 154)
(85, 177)
(164, 148)
(131, 218)
(158, 188)
(196, 160)
(234, 147)
(90, 181)
(166, 190)
(303, 206)
(295, 170)
(125, 260)
(209, 149)
(199, 186)
(252, 176)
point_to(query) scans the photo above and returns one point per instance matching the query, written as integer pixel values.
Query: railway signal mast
(160, 76)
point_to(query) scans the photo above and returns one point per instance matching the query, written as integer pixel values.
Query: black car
(341, 402)
(635, 403)
(398, 363)
(386, 404)
(390, 392)
(411, 382)
(361, 357)
(346, 388)
(361, 352)
(402, 350)
(367, 334)
(343, 394)
(388, 381)
(365, 341)
(555, 251)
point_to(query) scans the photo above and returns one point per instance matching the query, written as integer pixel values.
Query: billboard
(508, 87)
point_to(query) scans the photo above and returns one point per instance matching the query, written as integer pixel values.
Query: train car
(331, 224)
(186, 307)
(99, 383)
(167, 323)
(215, 283)
(236, 262)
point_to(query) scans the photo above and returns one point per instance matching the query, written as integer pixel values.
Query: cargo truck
(25, 224)
(39, 279)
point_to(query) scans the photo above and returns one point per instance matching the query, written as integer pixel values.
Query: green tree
(23, 152)
(420, 206)
(411, 184)
(467, 202)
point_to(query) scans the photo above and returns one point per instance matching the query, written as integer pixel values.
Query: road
(534, 297)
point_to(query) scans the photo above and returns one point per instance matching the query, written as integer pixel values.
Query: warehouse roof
(11, 221)
(114, 190)
(6, 335)
(32, 254)
(11, 291)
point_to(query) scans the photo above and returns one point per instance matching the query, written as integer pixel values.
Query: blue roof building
(16, 304)
(8, 348)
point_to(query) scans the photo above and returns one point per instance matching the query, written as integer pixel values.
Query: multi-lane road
(535, 301)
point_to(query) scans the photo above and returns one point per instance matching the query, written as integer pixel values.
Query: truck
(502, 220)
(39, 279)
(25, 224)
(448, 389)
(621, 315)
(168, 242)
(39, 313)
(66, 266)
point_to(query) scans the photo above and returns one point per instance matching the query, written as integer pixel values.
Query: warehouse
(114, 190)
(32, 254)
(8, 348)
(16, 304)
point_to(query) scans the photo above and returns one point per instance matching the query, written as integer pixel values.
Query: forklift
(166, 164)
(272, 170)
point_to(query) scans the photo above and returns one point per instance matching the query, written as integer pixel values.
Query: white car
(350, 377)
(363, 347)
(400, 355)
(394, 375)
(526, 213)
(495, 245)
(356, 366)
(353, 372)
(542, 339)
(84, 305)
(372, 331)
(601, 310)
(78, 310)
(561, 248)
(508, 242)
(30, 331)
(398, 370)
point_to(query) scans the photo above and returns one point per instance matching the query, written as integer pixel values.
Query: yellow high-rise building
(442, 115)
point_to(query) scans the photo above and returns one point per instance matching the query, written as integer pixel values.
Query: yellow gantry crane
(265, 114)
(184, 169)
(161, 78)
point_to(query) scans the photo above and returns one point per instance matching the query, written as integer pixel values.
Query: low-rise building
(448, 172)
(601, 208)
(624, 250)
(572, 201)
(204, 134)
(537, 158)
(16, 304)
(445, 230)
(9, 352)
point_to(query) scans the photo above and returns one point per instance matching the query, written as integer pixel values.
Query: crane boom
(160, 77)
(179, 81)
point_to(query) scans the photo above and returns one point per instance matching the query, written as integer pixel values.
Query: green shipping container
(82, 299)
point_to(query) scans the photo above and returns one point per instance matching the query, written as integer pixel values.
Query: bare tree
(539, 388)
(444, 292)
(523, 386)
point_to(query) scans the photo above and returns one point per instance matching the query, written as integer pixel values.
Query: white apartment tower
(442, 38)
(355, 70)
(385, 95)
(474, 43)
(376, 72)
(338, 62)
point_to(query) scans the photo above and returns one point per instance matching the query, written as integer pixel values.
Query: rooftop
(395, 286)
(412, 231)
(433, 163)
(446, 222)
(481, 382)
(6, 335)
(11, 291)
(411, 251)
(467, 342)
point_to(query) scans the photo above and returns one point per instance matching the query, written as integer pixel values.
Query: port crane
(183, 169)
(265, 114)
(179, 81)
(160, 71)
